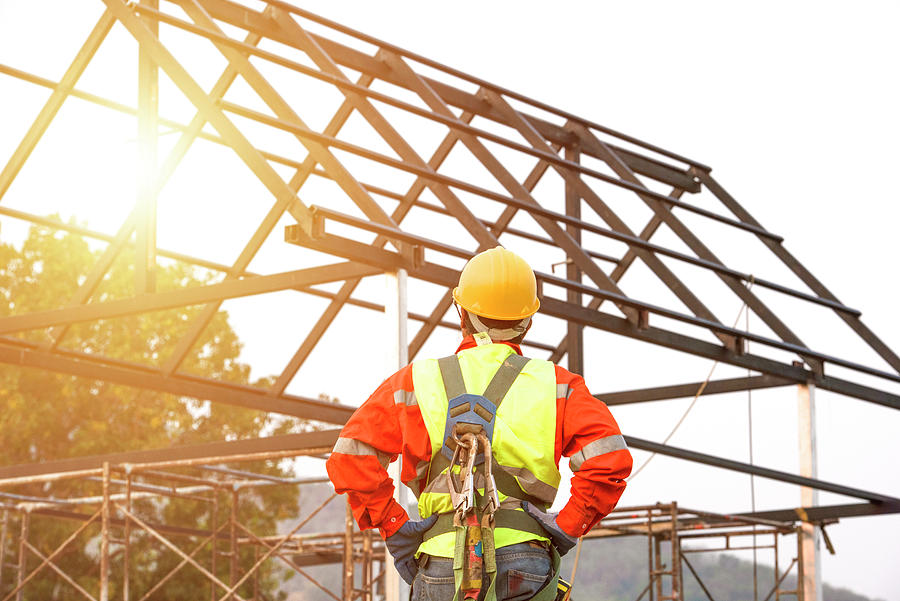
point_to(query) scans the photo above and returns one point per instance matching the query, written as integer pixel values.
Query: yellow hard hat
(497, 284)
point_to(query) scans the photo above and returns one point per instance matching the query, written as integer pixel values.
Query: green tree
(48, 416)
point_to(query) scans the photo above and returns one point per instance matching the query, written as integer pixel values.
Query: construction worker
(505, 421)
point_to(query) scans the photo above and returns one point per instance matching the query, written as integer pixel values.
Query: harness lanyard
(474, 553)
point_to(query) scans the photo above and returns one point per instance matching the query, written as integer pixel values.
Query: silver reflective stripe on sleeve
(351, 446)
(596, 448)
(563, 391)
(405, 397)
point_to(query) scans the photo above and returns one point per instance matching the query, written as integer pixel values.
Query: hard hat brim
(473, 308)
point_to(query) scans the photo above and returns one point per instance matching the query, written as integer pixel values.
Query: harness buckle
(462, 485)
(467, 413)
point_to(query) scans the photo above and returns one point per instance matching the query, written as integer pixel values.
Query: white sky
(792, 104)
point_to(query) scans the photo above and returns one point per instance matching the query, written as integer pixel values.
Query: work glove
(404, 543)
(562, 541)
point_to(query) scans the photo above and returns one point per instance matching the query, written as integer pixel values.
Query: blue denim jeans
(522, 570)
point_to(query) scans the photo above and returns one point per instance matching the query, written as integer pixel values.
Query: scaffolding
(503, 168)
(672, 533)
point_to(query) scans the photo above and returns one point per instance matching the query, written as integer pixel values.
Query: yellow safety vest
(523, 441)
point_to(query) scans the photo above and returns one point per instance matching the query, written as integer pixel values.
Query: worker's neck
(469, 342)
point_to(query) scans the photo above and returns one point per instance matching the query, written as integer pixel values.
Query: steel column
(602, 209)
(3, 530)
(104, 537)
(396, 355)
(214, 541)
(808, 534)
(126, 557)
(574, 331)
(234, 549)
(347, 581)
(148, 133)
(23, 559)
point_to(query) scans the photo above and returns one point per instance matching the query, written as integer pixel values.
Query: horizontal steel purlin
(825, 512)
(746, 468)
(249, 19)
(142, 377)
(186, 296)
(640, 243)
(632, 241)
(105, 102)
(678, 391)
(445, 276)
(389, 261)
(337, 143)
(287, 442)
(688, 183)
(199, 262)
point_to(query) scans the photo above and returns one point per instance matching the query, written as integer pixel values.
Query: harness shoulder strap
(506, 374)
(451, 374)
(504, 377)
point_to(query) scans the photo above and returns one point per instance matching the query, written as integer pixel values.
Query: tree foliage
(48, 416)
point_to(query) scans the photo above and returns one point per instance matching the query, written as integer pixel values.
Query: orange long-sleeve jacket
(384, 429)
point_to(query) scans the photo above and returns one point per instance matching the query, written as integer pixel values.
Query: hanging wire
(700, 390)
(575, 564)
(696, 396)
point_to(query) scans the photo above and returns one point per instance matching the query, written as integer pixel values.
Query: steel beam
(746, 468)
(702, 251)
(356, 251)
(666, 275)
(186, 296)
(271, 444)
(572, 249)
(165, 60)
(800, 271)
(679, 391)
(574, 331)
(148, 142)
(448, 277)
(141, 377)
(246, 18)
(825, 513)
(51, 107)
(618, 272)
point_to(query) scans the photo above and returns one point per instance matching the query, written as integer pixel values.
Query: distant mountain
(608, 570)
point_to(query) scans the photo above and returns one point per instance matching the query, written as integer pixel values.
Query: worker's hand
(562, 541)
(404, 543)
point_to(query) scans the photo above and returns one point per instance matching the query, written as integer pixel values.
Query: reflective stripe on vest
(524, 434)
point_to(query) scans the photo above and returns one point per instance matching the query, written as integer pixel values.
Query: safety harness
(467, 445)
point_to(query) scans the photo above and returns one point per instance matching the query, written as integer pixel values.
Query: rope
(678, 425)
(696, 396)
(575, 564)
